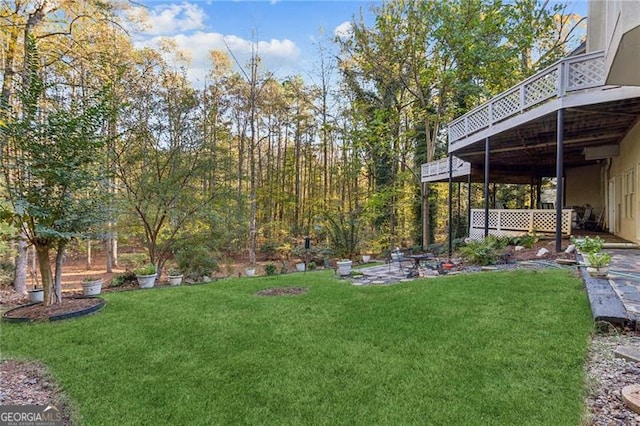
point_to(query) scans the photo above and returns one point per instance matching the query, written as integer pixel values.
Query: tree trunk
(42, 253)
(89, 257)
(109, 250)
(114, 250)
(58, 279)
(22, 260)
(425, 216)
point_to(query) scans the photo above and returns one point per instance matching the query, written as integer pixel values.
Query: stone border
(58, 317)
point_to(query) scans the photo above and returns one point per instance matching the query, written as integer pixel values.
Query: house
(577, 121)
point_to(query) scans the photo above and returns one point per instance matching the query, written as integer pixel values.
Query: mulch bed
(282, 291)
(39, 312)
(29, 383)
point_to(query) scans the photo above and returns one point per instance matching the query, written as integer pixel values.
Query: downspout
(606, 171)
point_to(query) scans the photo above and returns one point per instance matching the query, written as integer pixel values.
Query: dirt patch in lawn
(29, 383)
(282, 291)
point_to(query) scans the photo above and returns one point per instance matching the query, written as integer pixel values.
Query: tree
(424, 62)
(160, 161)
(52, 171)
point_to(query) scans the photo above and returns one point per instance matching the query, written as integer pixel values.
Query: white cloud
(278, 56)
(165, 19)
(343, 30)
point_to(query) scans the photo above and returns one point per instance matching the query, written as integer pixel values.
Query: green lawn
(489, 348)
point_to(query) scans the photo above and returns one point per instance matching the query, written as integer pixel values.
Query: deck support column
(559, 177)
(469, 203)
(450, 205)
(486, 187)
(457, 230)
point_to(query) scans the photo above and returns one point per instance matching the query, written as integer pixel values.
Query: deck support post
(469, 203)
(450, 205)
(559, 177)
(486, 187)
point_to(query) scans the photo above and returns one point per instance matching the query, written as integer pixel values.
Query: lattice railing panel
(585, 74)
(508, 222)
(545, 221)
(543, 87)
(478, 120)
(457, 130)
(514, 219)
(569, 74)
(506, 106)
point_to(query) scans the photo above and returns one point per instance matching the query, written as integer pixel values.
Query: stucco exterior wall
(596, 26)
(629, 159)
(614, 26)
(584, 186)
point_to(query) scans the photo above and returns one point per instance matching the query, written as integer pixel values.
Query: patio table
(417, 258)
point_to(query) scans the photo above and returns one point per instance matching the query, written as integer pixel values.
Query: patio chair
(587, 220)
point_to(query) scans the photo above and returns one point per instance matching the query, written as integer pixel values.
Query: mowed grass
(487, 349)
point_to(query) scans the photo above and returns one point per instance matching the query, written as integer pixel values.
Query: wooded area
(105, 141)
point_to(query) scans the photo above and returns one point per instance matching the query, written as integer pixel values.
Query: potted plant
(598, 264)
(36, 295)
(366, 258)
(344, 267)
(146, 275)
(588, 244)
(175, 277)
(251, 271)
(91, 286)
(300, 266)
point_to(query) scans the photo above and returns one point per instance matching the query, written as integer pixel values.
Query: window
(629, 192)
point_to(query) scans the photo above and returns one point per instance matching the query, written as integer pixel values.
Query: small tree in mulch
(51, 161)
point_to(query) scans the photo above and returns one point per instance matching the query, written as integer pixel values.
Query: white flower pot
(175, 279)
(146, 281)
(36, 296)
(300, 267)
(603, 271)
(91, 288)
(251, 272)
(396, 256)
(366, 258)
(344, 267)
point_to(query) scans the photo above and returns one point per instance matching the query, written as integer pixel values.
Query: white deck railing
(438, 170)
(569, 74)
(515, 222)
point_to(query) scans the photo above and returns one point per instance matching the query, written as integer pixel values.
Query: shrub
(526, 240)
(196, 261)
(122, 279)
(312, 266)
(132, 260)
(482, 252)
(599, 259)
(588, 244)
(344, 232)
(148, 269)
(270, 269)
(269, 249)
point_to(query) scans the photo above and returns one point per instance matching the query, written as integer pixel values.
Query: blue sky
(286, 31)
